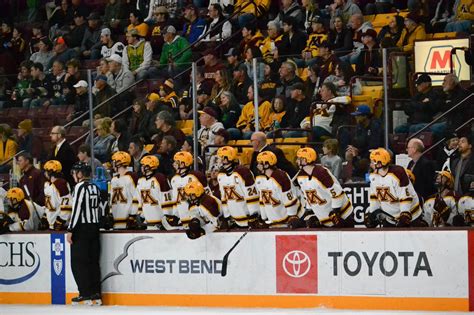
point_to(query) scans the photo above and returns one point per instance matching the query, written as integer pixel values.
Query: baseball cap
(60, 40)
(232, 52)
(115, 58)
(208, 110)
(423, 78)
(297, 86)
(81, 83)
(169, 29)
(223, 133)
(316, 19)
(105, 32)
(204, 89)
(370, 32)
(362, 110)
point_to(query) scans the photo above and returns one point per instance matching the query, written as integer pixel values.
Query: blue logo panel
(58, 269)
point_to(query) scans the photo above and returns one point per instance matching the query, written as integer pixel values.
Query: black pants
(85, 253)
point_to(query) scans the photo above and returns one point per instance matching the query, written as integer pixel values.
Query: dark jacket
(424, 171)
(102, 96)
(369, 59)
(461, 114)
(295, 113)
(76, 35)
(467, 168)
(230, 116)
(423, 112)
(292, 46)
(367, 138)
(282, 161)
(34, 180)
(67, 158)
(342, 43)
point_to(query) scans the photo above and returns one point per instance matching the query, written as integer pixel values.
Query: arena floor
(121, 310)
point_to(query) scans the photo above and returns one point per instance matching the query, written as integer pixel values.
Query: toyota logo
(296, 264)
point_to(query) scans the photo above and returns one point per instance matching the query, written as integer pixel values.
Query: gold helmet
(411, 176)
(267, 157)
(227, 152)
(15, 196)
(184, 157)
(121, 158)
(449, 177)
(380, 157)
(194, 188)
(150, 162)
(53, 166)
(307, 154)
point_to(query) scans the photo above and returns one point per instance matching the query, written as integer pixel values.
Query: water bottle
(276, 124)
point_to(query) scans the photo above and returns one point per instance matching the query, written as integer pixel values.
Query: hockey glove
(295, 223)
(469, 217)
(5, 222)
(106, 222)
(141, 225)
(172, 220)
(335, 217)
(59, 224)
(458, 220)
(132, 222)
(404, 219)
(371, 219)
(223, 224)
(442, 208)
(312, 222)
(43, 224)
(195, 230)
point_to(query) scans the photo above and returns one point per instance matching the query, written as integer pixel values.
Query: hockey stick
(225, 260)
(25, 188)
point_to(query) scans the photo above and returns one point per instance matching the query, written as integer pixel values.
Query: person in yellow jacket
(246, 122)
(249, 12)
(463, 18)
(413, 31)
(269, 45)
(318, 35)
(8, 146)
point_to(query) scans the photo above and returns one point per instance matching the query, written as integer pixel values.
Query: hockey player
(22, 214)
(240, 200)
(153, 194)
(441, 209)
(122, 189)
(393, 201)
(466, 204)
(321, 193)
(204, 211)
(183, 163)
(57, 197)
(278, 203)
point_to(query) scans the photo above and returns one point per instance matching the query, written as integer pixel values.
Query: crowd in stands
(307, 56)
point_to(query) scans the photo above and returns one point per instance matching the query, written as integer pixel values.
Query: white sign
(434, 56)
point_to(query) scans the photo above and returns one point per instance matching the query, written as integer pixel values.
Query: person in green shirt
(175, 55)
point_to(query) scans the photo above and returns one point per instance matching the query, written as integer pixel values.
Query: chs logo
(296, 264)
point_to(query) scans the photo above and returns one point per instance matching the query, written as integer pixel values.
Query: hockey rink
(123, 310)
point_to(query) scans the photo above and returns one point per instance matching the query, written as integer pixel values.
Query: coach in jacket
(62, 151)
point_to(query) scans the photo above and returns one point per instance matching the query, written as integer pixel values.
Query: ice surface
(122, 310)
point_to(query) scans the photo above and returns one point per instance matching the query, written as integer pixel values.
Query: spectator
(103, 68)
(137, 151)
(70, 79)
(31, 178)
(167, 150)
(310, 12)
(249, 12)
(271, 81)
(296, 110)
(233, 61)
(426, 103)
(160, 20)
(463, 165)
(91, 44)
(139, 119)
(18, 45)
(293, 40)
(221, 137)
(216, 31)
(44, 53)
(212, 64)
(358, 27)
(327, 61)
(76, 35)
(121, 134)
(208, 120)
(259, 144)
(56, 78)
(251, 36)
(194, 25)
(62, 151)
(241, 83)
(277, 113)
(346, 9)
(137, 55)
(188, 146)
(104, 92)
(84, 155)
(82, 98)
(149, 115)
(121, 78)
(136, 23)
(250, 53)
(463, 18)
(341, 79)
(455, 94)
(203, 97)
(109, 47)
(230, 113)
(113, 15)
(288, 77)
(62, 15)
(370, 60)
(269, 45)
(340, 37)
(170, 61)
(291, 8)
(448, 153)
(20, 92)
(61, 53)
(246, 123)
(393, 30)
(26, 141)
(223, 84)
(103, 139)
(166, 126)
(413, 31)
(422, 168)
(168, 97)
(330, 159)
(8, 147)
(317, 35)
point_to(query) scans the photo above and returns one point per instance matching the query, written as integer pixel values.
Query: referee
(83, 235)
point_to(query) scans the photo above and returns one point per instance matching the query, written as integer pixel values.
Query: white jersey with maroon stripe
(321, 192)
(466, 209)
(207, 212)
(239, 195)
(277, 198)
(26, 217)
(57, 201)
(432, 217)
(154, 198)
(393, 193)
(123, 202)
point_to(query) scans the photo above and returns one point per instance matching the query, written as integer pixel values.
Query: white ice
(122, 310)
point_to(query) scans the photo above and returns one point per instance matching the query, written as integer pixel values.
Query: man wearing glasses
(62, 152)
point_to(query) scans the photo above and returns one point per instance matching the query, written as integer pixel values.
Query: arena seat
(445, 35)
(398, 142)
(380, 20)
(301, 140)
(370, 96)
(90, 64)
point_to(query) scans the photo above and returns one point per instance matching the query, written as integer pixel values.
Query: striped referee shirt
(85, 204)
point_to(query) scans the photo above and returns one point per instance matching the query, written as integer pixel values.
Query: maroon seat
(398, 142)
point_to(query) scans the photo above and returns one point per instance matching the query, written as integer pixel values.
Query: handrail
(191, 45)
(444, 138)
(12, 158)
(103, 103)
(279, 130)
(439, 117)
